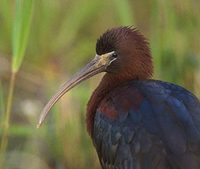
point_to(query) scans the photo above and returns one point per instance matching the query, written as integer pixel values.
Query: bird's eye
(114, 55)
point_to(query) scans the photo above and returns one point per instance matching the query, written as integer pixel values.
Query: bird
(134, 121)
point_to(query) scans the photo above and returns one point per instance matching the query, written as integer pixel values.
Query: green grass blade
(21, 28)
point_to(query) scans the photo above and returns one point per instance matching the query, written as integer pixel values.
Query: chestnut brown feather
(134, 62)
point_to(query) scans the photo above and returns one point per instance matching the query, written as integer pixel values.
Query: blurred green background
(42, 43)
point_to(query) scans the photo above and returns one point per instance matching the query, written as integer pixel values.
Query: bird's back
(148, 125)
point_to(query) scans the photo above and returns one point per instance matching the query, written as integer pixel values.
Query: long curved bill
(97, 65)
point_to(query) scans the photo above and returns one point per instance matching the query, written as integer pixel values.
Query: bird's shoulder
(136, 95)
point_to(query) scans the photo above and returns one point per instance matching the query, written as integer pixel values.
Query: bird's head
(128, 51)
(120, 52)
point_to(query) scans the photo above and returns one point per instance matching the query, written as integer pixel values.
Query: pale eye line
(112, 61)
(96, 56)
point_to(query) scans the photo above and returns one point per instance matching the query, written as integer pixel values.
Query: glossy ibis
(136, 122)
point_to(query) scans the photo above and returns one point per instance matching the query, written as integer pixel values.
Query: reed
(62, 39)
(21, 27)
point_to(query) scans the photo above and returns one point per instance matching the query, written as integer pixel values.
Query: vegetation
(42, 43)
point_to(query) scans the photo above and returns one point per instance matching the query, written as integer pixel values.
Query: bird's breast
(124, 99)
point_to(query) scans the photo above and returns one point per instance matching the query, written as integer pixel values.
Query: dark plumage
(135, 122)
(148, 124)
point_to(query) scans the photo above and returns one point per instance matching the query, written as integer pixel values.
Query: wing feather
(157, 126)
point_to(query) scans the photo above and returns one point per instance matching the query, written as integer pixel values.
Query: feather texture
(148, 124)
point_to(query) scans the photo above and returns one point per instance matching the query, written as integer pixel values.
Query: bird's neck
(107, 83)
